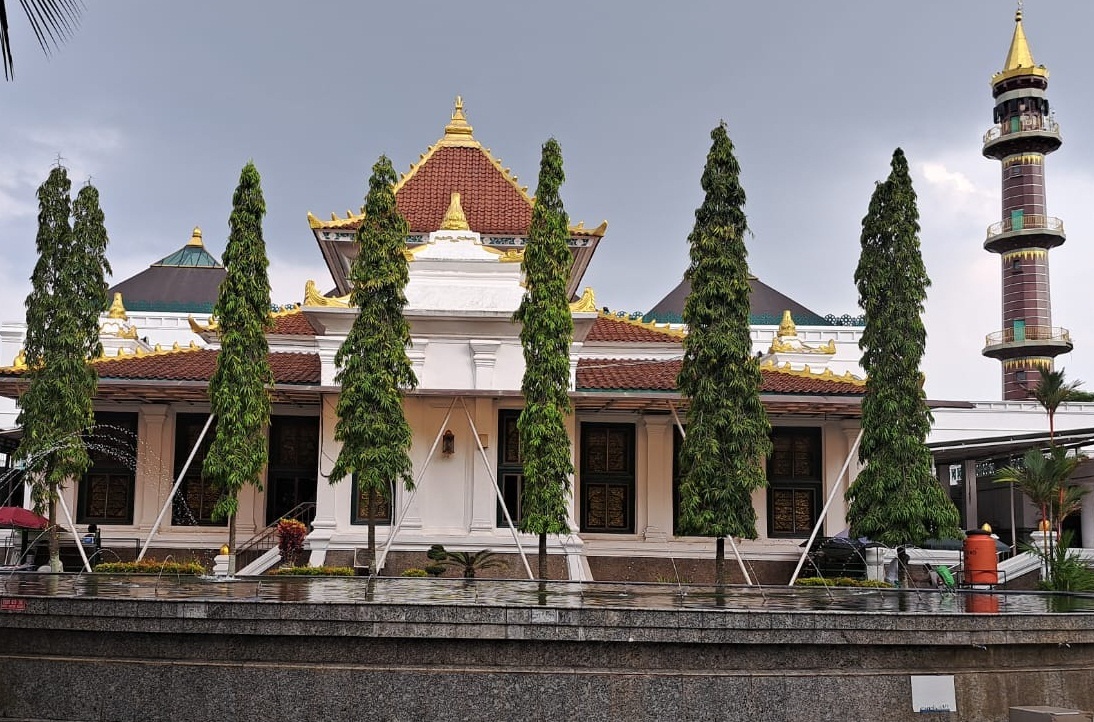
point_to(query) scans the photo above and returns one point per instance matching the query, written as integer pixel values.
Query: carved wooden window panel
(607, 478)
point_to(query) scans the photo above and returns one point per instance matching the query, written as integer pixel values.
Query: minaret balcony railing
(1032, 222)
(1023, 124)
(1028, 333)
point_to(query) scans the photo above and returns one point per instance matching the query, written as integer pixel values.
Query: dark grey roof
(171, 288)
(767, 306)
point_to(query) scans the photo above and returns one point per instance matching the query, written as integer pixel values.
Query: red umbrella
(16, 517)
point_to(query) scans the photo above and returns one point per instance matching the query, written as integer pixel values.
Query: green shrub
(435, 570)
(415, 572)
(313, 572)
(150, 566)
(842, 582)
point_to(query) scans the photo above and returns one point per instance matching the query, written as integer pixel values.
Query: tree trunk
(372, 570)
(720, 562)
(232, 545)
(543, 556)
(54, 536)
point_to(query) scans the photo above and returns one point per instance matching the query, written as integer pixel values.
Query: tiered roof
(185, 281)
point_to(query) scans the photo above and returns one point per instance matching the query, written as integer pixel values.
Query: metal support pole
(175, 487)
(497, 490)
(824, 512)
(75, 534)
(413, 492)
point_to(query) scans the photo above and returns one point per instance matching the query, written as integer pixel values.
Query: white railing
(1026, 122)
(1025, 223)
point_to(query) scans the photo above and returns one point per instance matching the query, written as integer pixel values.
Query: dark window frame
(357, 503)
(608, 480)
(195, 473)
(116, 470)
(799, 480)
(510, 471)
(304, 473)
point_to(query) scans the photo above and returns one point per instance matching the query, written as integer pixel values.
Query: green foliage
(1052, 390)
(415, 572)
(151, 566)
(842, 582)
(239, 390)
(1067, 572)
(68, 294)
(471, 562)
(291, 534)
(53, 22)
(728, 433)
(896, 498)
(372, 361)
(547, 330)
(437, 553)
(312, 572)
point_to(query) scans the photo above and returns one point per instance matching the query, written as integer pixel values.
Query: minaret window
(1016, 265)
(1020, 376)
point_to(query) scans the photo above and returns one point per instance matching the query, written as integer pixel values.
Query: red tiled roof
(198, 365)
(293, 324)
(639, 375)
(491, 202)
(619, 330)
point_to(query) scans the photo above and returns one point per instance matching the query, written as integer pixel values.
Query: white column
(416, 353)
(658, 501)
(483, 499)
(328, 346)
(837, 513)
(1088, 520)
(484, 356)
(327, 494)
(154, 475)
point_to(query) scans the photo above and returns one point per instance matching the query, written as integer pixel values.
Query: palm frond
(52, 22)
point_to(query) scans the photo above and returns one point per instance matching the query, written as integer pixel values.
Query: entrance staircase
(259, 553)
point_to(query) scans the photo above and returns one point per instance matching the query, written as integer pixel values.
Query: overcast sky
(162, 103)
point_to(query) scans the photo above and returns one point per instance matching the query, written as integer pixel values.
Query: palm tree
(1051, 391)
(52, 21)
(471, 562)
(1043, 478)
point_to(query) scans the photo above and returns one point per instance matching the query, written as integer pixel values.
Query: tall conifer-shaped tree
(547, 330)
(373, 365)
(896, 498)
(728, 434)
(239, 391)
(68, 294)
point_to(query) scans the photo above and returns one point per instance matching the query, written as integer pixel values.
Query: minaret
(1025, 132)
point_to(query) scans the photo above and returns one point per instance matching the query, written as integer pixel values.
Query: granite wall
(96, 659)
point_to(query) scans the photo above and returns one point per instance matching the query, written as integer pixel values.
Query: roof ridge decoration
(20, 362)
(806, 372)
(454, 218)
(313, 298)
(192, 255)
(662, 328)
(1019, 56)
(195, 238)
(117, 323)
(788, 330)
(213, 326)
(585, 304)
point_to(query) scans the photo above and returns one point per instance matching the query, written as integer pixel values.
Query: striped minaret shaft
(1025, 131)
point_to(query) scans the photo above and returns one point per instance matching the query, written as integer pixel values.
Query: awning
(16, 517)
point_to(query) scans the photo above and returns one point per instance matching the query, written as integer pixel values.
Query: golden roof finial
(1019, 55)
(458, 130)
(454, 218)
(117, 309)
(195, 237)
(787, 327)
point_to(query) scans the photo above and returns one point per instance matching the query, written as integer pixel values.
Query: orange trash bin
(981, 561)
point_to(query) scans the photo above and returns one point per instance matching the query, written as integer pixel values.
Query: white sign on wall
(933, 693)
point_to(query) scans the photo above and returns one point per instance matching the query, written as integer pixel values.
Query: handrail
(1034, 221)
(1027, 122)
(265, 539)
(1032, 333)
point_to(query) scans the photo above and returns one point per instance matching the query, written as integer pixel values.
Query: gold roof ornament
(786, 326)
(454, 218)
(458, 131)
(585, 304)
(195, 238)
(313, 297)
(117, 308)
(1019, 57)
